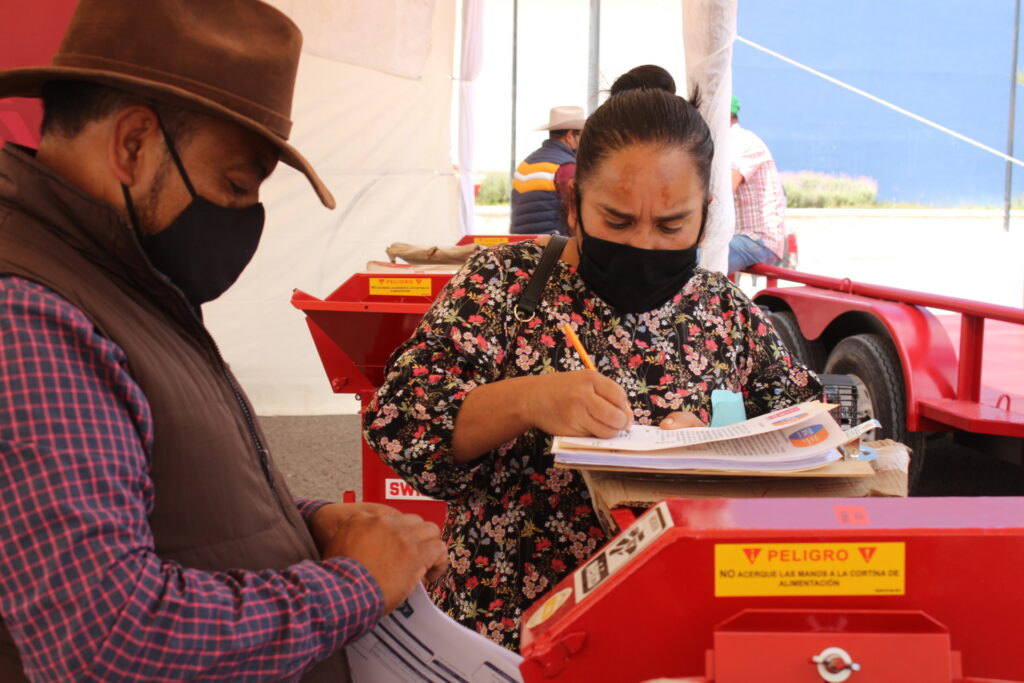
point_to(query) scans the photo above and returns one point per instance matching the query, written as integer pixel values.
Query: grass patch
(813, 190)
(495, 189)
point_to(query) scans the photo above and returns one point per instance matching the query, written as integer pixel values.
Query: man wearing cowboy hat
(146, 532)
(542, 180)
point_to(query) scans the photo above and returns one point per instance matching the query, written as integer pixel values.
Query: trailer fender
(927, 355)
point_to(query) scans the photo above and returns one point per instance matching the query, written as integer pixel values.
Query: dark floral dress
(516, 525)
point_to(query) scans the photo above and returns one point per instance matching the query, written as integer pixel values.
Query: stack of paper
(793, 439)
(418, 642)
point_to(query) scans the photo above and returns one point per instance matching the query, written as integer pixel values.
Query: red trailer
(908, 373)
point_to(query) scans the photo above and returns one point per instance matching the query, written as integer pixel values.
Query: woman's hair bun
(647, 76)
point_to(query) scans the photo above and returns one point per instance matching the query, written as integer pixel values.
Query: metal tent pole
(1013, 102)
(595, 55)
(515, 65)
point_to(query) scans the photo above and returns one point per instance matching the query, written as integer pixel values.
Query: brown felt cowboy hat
(235, 59)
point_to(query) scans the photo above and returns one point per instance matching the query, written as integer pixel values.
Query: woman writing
(470, 402)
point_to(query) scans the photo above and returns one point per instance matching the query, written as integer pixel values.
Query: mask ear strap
(703, 223)
(177, 159)
(130, 205)
(579, 210)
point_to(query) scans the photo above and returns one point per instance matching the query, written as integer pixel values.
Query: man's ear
(134, 144)
(570, 207)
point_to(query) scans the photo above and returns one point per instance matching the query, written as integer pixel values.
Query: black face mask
(206, 248)
(634, 280)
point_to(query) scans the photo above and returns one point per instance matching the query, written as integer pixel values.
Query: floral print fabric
(516, 525)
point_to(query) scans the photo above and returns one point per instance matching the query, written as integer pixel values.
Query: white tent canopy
(709, 28)
(381, 142)
(372, 113)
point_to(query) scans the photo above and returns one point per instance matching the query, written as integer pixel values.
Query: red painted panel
(355, 332)
(974, 417)
(1002, 370)
(657, 615)
(30, 33)
(883, 647)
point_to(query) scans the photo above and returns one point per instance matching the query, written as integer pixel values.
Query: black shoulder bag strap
(526, 307)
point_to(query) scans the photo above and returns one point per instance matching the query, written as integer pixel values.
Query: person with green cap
(760, 200)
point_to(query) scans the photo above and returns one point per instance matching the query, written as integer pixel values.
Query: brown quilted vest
(220, 502)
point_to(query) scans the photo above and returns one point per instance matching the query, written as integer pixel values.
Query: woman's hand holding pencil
(578, 403)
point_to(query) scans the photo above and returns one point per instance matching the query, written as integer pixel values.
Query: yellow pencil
(575, 341)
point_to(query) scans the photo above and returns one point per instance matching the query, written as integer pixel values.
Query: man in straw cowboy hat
(541, 181)
(146, 531)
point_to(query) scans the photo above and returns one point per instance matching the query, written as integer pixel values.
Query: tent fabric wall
(390, 35)
(709, 29)
(471, 61)
(382, 144)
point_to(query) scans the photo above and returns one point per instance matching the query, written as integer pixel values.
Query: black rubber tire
(810, 353)
(872, 360)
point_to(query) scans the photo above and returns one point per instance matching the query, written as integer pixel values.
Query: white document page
(418, 642)
(808, 443)
(643, 438)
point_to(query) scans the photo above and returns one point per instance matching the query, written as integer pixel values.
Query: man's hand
(680, 419)
(399, 550)
(580, 403)
(328, 519)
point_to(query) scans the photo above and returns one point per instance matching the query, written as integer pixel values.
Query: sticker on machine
(490, 241)
(548, 609)
(400, 286)
(623, 548)
(398, 489)
(763, 569)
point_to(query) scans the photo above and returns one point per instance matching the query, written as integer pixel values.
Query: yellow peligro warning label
(757, 569)
(400, 286)
(490, 241)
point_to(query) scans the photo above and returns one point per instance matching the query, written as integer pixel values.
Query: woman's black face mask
(631, 279)
(206, 248)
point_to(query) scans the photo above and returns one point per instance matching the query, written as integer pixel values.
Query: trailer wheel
(810, 353)
(873, 363)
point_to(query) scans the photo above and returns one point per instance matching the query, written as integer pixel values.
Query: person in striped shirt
(760, 200)
(541, 181)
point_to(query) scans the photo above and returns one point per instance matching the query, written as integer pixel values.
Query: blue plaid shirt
(82, 591)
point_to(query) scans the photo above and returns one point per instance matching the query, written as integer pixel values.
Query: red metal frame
(942, 391)
(366, 328)
(661, 614)
(356, 331)
(886, 646)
